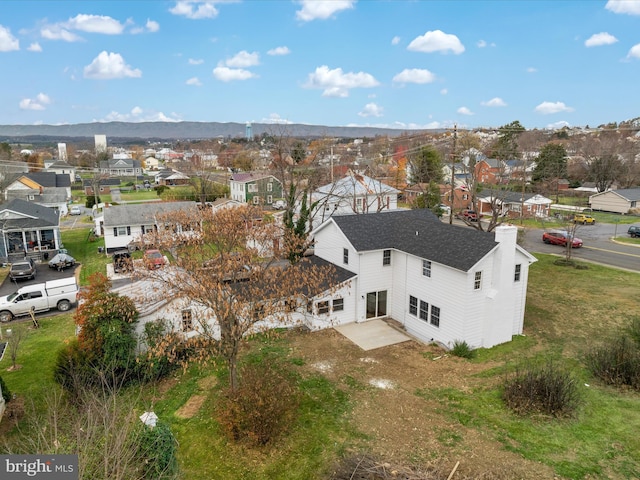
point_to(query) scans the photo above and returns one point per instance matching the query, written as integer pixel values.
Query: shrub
(72, 369)
(160, 188)
(462, 349)
(6, 394)
(541, 389)
(262, 407)
(90, 201)
(616, 363)
(157, 448)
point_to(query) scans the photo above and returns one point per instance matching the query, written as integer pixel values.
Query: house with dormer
(353, 194)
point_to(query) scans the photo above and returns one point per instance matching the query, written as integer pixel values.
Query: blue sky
(398, 64)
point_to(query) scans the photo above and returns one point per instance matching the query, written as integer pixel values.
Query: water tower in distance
(248, 133)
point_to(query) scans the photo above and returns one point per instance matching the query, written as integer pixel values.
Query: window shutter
(115, 231)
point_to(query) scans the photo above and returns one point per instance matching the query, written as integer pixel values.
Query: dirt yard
(404, 427)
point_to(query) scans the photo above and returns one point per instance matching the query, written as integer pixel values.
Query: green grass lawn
(77, 242)
(568, 312)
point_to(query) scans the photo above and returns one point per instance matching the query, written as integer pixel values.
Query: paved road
(598, 246)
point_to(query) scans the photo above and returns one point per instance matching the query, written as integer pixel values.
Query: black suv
(634, 231)
(23, 269)
(122, 261)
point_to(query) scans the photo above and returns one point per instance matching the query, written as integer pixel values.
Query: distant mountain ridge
(189, 130)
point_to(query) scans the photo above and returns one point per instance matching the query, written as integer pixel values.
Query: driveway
(44, 274)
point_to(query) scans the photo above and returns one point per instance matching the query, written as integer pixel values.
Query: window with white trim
(435, 316)
(345, 256)
(252, 187)
(270, 187)
(426, 268)
(413, 305)
(256, 200)
(121, 231)
(269, 199)
(338, 304)
(386, 257)
(424, 311)
(517, 273)
(477, 282)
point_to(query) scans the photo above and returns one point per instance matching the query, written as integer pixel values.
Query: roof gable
(356, 184)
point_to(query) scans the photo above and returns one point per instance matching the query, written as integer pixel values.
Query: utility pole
(453, 171)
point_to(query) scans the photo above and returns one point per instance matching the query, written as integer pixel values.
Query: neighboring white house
(443, 283)
(124, 224)
(618, 201)
(353, 193)
(63, 168)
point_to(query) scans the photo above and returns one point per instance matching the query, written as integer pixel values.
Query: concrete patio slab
(372, 334)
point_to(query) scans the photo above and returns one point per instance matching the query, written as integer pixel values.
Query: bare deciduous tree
(231, 266)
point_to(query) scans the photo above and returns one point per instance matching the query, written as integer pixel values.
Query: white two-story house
(443, 283)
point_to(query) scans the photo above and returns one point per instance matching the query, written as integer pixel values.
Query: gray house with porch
(28, 230)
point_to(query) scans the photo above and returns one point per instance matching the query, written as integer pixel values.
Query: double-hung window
(477, 282)
(386, 257)
(424, 311)
(426, 268)
(518, 271)
(435, 316)
(413, 306)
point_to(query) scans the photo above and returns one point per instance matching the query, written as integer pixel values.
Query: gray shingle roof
(631, 194)
(142, 213)
(34, 215)
(419, 233)
(50, 179)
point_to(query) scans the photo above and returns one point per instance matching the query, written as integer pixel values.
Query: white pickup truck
(60, 294)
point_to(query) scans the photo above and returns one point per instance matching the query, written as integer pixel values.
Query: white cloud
(545, 108)
(38, 103)
(56, 32)
(494, 102)
(227, 74)
(336, 83)
(395, 40)
(464, 111)
(195, 9)
(152, 26)
(196, 61)
(275, 118)
(279, 51)
(629, 7)
(444, 91)
(34, 47)
(602, 38)
(557, 125)
(107, 66)
(137, 114)
(483, 44)
(7, 41)
(194, 81)
(436, 41)
(94, 24)
(634, 52)
(243, 59)
(321, 9)
(414, 75)
(371, 110)
(532, 69)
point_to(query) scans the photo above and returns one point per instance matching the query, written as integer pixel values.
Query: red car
(561, 237)
(469, 215)
(154, 259)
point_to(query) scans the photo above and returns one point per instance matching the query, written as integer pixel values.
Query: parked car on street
(154, 259)
(634, 231)
(61, 260)
(561, 237)
(469, 215)
(584, 219)
(75, 210)
(23, 269)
